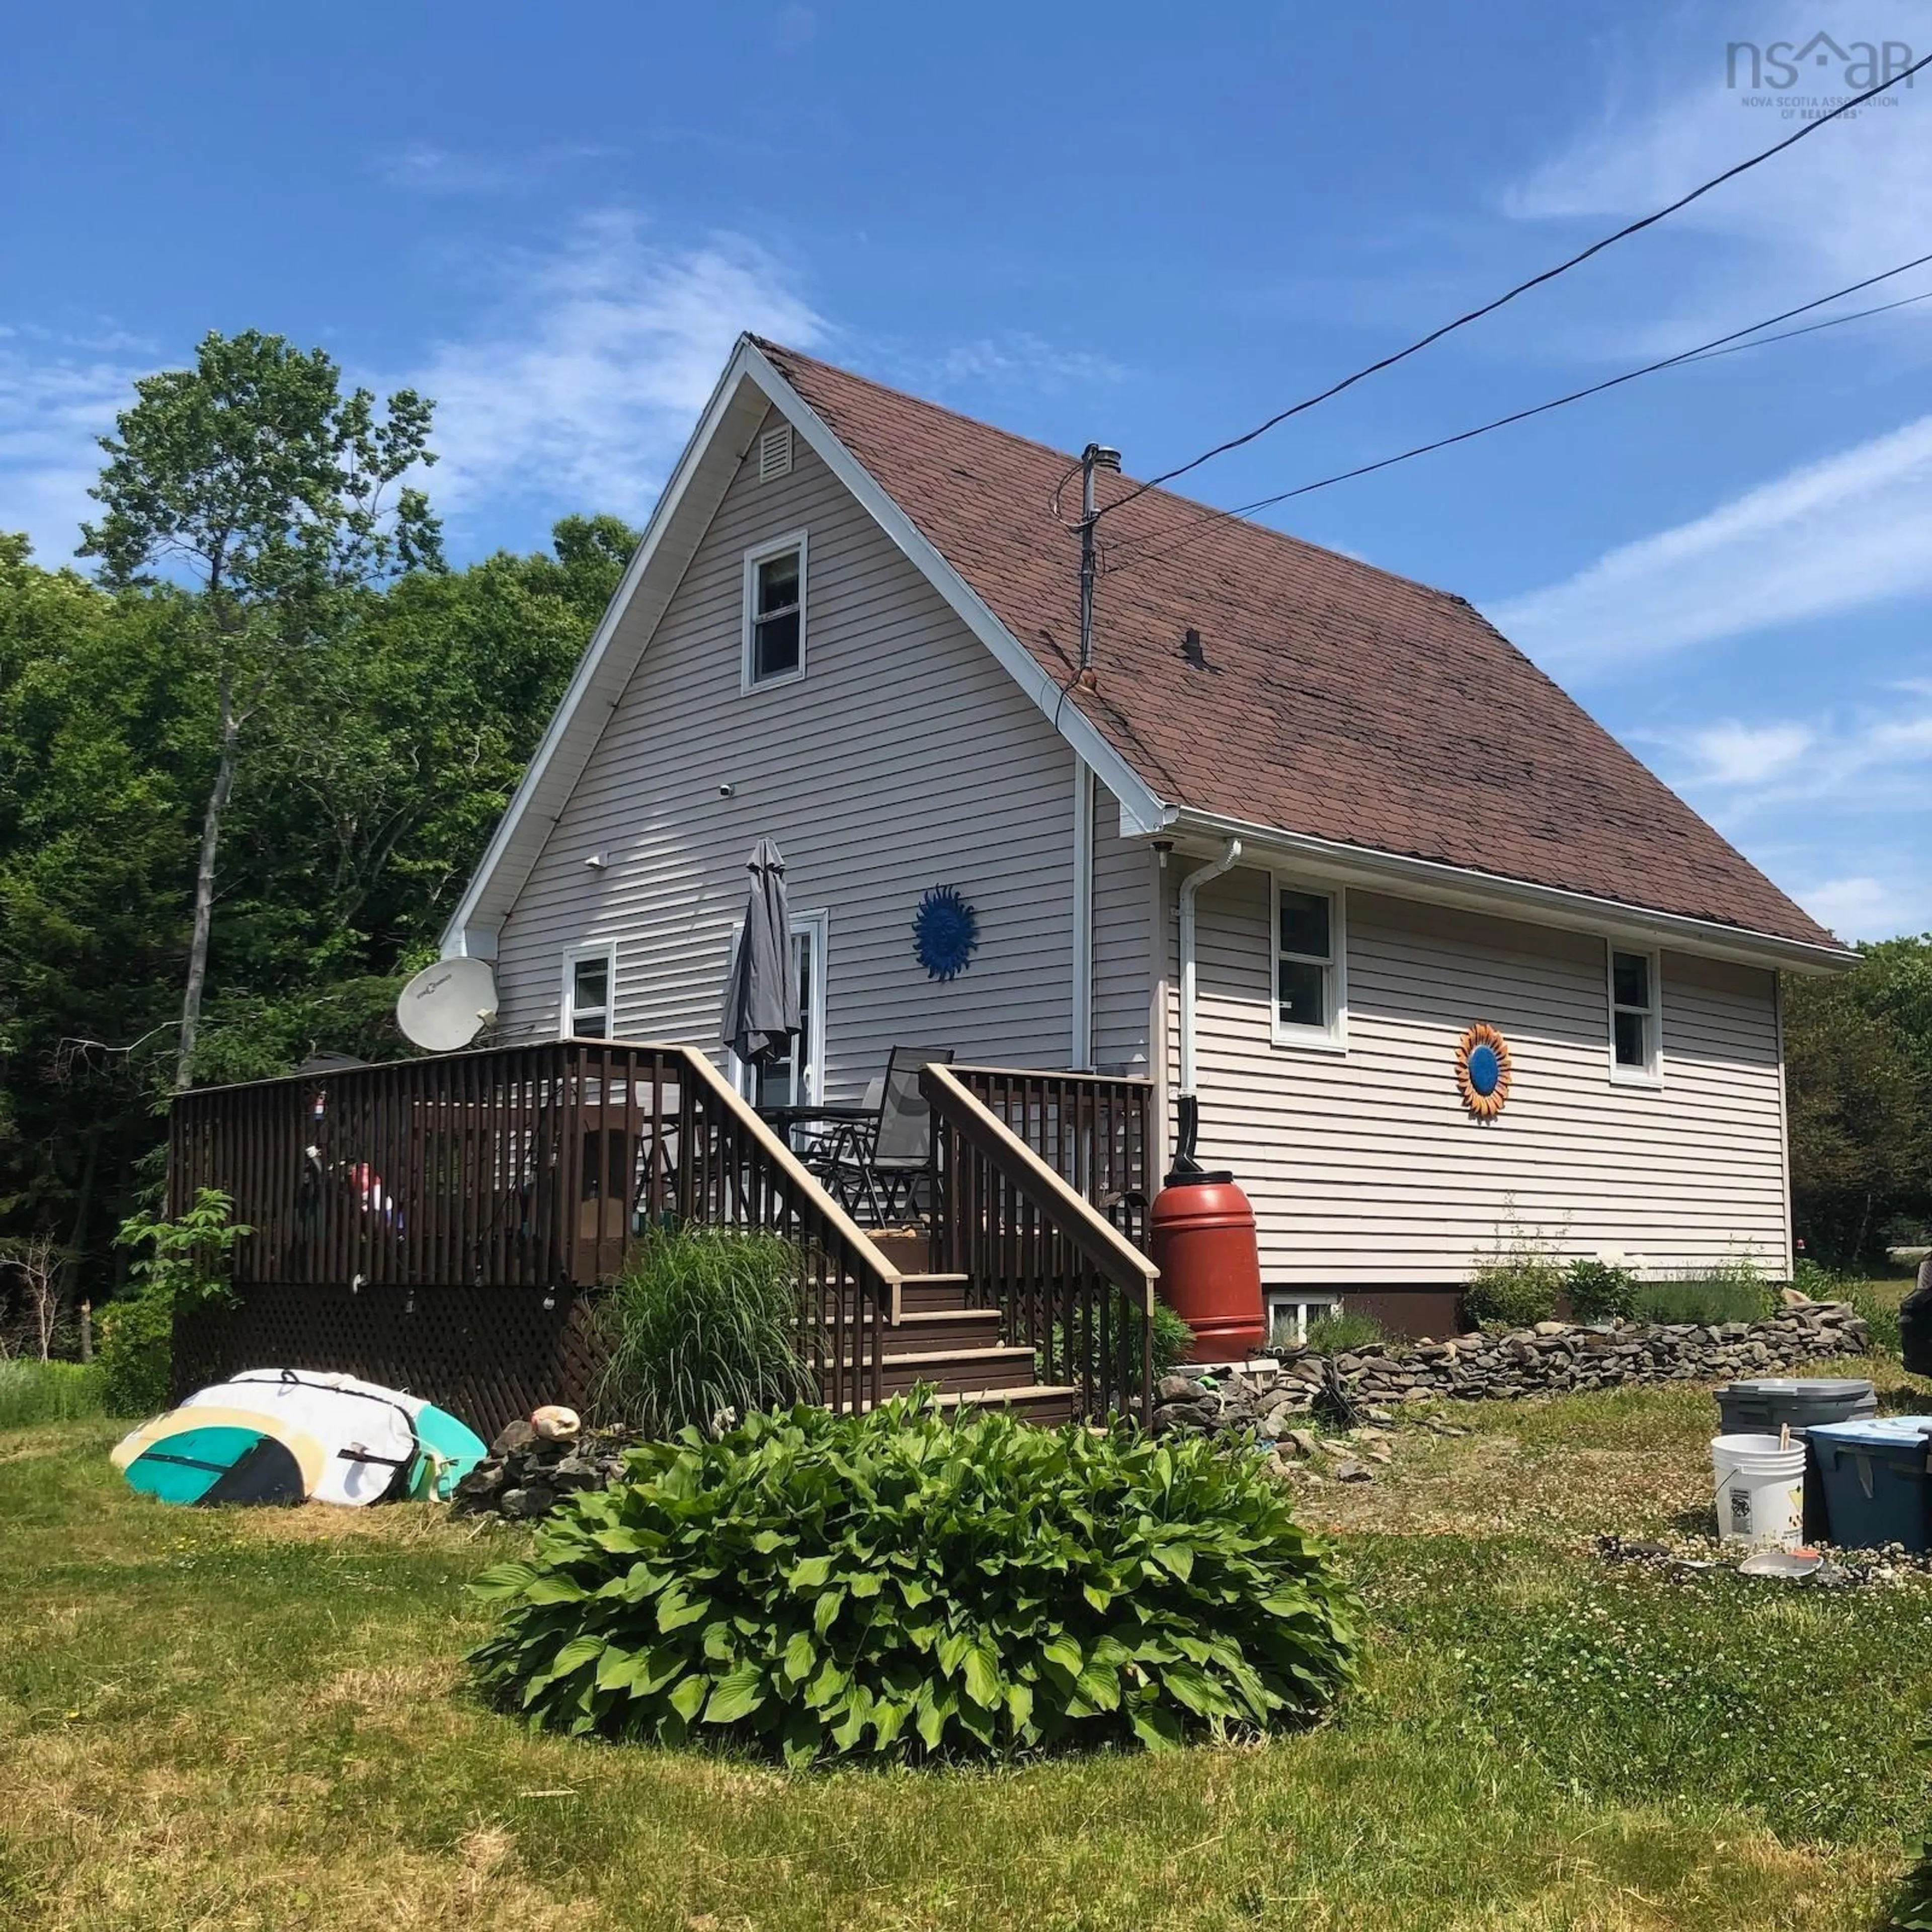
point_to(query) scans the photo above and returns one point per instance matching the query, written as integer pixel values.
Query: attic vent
(775, 453)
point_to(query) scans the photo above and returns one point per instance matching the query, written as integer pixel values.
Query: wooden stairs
(945, 1343)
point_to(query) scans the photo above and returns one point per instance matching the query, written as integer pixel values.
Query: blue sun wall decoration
(945, 933)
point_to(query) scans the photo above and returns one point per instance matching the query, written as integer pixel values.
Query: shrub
(187, 1263)
(1338, 1332)
(134, 1350)
(702, 1320)
(905, 1583)
(1599, 1291)
(1736, 1290)
(32, 1393)
(1876, 1302)
(1172, 1341)
(1513, 1288)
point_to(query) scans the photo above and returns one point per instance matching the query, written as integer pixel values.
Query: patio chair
(882, 1161)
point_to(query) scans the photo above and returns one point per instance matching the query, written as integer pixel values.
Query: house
(1306, 825)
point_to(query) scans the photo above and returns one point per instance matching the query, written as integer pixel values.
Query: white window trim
(1306, 1304)
(566, 1010)
(757, 554)
(1333, 1038)
(1620, 1076)
(818, 922)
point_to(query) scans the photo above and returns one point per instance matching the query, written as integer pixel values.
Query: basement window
(774, 641)
(1310, 992)
(589, 975)
(1636, 1017)
(1292, 1311)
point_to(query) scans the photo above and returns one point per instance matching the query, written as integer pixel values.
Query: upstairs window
(1309, 993)
(589, 974)
(1636, 1016)
(775, 613)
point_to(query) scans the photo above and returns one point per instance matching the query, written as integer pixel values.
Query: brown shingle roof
(1338, 701)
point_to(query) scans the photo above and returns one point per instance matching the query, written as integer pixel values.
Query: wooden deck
(445, 1224)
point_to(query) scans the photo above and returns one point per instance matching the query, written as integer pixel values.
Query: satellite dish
(447, 1005)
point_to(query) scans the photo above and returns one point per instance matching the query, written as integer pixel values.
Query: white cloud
(1734, 753)
(1861, 908)
(1014, 359)
(56, 395)
(583, 384)
(1853, 530)
(423, 168)
(1852, 199)
(1865, 759)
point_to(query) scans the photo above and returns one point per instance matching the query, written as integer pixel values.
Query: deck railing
(1067, 1282)
(530, 1167)
(1094, 1130)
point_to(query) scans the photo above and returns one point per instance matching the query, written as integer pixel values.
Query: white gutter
(1550, 905)
(1189, 886)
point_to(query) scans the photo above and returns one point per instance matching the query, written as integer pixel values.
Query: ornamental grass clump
(908, 1584)
(702, 1321)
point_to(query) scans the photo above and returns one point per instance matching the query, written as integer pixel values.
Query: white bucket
(1760, 1490)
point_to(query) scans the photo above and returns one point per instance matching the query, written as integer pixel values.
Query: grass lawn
(258, 1720)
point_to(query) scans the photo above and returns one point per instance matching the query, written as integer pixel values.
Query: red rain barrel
(1203, 1232)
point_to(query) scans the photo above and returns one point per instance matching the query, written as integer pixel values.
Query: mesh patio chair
(882, 1162)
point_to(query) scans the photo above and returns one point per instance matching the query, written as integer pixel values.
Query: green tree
(281, 501)
(1859, 1070)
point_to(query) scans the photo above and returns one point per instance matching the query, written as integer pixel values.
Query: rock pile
(525, 1474)
(1552, 1358)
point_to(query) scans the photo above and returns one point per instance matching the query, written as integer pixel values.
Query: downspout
(1190, 1109)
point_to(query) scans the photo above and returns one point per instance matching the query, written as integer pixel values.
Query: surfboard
(213, 1455)
(367, 1432)
(451, 1450)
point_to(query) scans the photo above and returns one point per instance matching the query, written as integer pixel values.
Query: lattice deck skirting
(486, 1354)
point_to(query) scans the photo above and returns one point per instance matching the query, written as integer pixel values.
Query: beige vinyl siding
(1124, 943)
(904, 758)
(1365, 1167)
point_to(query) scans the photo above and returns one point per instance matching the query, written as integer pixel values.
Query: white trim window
(1291, 1312)
(1308, 931)
(1636, 1016)
(590, 993)
(794, 1081)
(774, 626)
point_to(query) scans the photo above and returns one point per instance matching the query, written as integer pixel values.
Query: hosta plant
(908, 1583)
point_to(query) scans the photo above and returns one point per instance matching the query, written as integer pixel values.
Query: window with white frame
(1310, 988)
(775, 612)
(1291, 1312)
(590, 983)
(1637, 1015)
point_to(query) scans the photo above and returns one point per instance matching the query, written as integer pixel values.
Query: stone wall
(1552, 1358)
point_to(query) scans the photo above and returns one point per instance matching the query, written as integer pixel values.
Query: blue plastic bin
(1876, 1487)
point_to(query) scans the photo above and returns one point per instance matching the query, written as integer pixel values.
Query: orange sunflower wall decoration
(1482, 1070)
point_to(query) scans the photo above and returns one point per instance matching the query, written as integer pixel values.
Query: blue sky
(1151, 227)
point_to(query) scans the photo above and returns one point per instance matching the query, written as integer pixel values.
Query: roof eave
(1445, 884)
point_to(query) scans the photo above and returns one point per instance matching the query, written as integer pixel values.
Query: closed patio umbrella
(760, 995)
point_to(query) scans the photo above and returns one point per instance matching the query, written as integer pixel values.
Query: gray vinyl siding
(1124, 943)
(1365, 1167)
(904, 758)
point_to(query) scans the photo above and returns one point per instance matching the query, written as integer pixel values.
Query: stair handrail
(1074, 1217)
(887, 1282)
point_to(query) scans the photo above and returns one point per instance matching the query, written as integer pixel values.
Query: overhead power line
(1684, 201)
(1123, 557)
